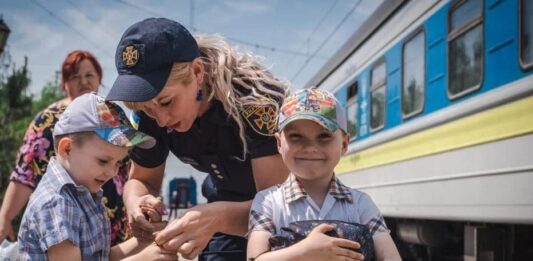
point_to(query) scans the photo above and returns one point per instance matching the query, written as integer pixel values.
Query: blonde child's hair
(225, 67)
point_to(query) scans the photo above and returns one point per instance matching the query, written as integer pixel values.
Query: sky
(293, 37)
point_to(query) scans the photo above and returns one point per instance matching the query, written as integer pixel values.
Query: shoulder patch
(262, 119)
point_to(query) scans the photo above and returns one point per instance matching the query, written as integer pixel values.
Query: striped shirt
(278, 206)
(60, 210)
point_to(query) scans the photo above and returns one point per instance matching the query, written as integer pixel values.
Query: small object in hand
(299, 230)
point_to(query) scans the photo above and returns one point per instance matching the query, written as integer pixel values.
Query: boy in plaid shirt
(65, 218)
(311, 139)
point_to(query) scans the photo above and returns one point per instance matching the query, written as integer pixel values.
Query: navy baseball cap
(145, 55)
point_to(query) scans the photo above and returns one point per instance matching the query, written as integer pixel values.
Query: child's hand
(152, 212)
(318, 246)
(138, 222)
(154, 252)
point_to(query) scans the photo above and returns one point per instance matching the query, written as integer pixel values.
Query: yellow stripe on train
(502, 122)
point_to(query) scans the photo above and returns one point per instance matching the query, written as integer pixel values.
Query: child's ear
(345, 142)
(278, 140)
(64, 146)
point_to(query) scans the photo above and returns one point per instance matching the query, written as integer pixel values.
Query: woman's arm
(142, 187)
(145, 180)
(191, 233)
(384, 248)
(16, 196)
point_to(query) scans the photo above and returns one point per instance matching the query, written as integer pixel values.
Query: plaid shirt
(280, 205)
(59, 210)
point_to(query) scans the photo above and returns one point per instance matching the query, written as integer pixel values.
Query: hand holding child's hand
(319, 246)
(146, 217)
(153, 210)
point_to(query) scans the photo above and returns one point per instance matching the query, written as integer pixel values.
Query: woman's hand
(141, 213)
(191, 233)
(319, 246)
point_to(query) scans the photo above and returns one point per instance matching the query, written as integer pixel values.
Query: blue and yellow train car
(439, 97)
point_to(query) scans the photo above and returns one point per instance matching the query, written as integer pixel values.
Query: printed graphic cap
(316, 105)
(145, 55)
(90, 112)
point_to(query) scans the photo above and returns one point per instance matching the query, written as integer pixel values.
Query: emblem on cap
(130, 55)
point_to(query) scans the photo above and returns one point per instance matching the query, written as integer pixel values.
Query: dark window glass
(526, 34)
(413, 79)
(378, 74)
(377, 95)
(465, 60)
(465, 13)
(377, 110)
(352, 110)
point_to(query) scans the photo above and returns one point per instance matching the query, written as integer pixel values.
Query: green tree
(17, 109)
(49, 94)
(15, 115)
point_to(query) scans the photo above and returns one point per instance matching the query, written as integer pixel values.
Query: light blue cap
(90, 112)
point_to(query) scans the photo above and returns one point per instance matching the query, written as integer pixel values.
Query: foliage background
(17, 109)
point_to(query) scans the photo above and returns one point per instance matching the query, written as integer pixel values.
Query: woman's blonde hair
(237, 79)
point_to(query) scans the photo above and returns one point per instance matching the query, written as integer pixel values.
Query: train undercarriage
(431, 240)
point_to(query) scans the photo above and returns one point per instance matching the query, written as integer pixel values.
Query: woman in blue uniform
(215, 109)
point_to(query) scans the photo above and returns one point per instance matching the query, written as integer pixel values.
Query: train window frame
(350, 101)
(525, 66)
(410, 37)
(374, 87)
(458, 32)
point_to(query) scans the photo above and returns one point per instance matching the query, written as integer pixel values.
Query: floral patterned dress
(36, 151)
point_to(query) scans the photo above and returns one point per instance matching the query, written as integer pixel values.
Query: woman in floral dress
(81, 73)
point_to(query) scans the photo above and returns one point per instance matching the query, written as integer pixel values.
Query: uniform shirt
(213, 146)
(278, 206)
(38, 147)
(60, 210)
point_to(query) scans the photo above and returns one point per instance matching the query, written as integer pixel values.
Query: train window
(377, 95)
(465, 45)
(526, 34)
(414, 75)
(351, 108)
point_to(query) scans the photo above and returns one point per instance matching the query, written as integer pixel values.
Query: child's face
(309, 150)
(94, 162)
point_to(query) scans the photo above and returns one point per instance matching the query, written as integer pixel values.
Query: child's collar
(293, 189)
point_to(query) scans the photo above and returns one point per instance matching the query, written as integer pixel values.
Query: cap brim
(126, 137)
(138, 88)
(322, 121)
